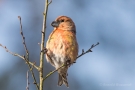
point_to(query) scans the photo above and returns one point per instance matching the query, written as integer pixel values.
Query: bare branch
(47, 3)
(27, 54)
(27, 87)
(89, 50)
(50, 2)
(53, 72)
(23, 38)
(22, 57)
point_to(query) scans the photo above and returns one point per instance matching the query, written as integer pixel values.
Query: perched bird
(62, 46)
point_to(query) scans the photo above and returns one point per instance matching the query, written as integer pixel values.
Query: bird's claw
(44, 50)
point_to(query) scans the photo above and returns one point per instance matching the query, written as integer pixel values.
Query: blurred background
(111, 65)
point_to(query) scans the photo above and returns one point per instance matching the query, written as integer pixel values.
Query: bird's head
(64, 23)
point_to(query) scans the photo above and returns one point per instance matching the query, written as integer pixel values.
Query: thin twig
(50, 73)
(27, 87)
(89, 50)
(27, 54)
(22, 57)
(50, 2)
(23, 38)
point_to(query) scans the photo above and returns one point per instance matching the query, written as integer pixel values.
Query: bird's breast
(63, 45)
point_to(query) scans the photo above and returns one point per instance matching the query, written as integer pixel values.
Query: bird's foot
(68, 63)
(44, 50)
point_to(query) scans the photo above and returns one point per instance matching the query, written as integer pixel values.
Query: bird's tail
(62, 76)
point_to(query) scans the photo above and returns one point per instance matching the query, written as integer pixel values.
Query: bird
(62, 46)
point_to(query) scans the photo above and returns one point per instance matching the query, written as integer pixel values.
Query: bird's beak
(55, 24)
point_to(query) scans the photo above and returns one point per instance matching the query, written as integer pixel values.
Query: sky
(110, 22)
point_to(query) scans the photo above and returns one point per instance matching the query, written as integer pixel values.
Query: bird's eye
(62, 20)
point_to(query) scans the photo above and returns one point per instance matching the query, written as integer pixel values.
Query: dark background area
(111, 65)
